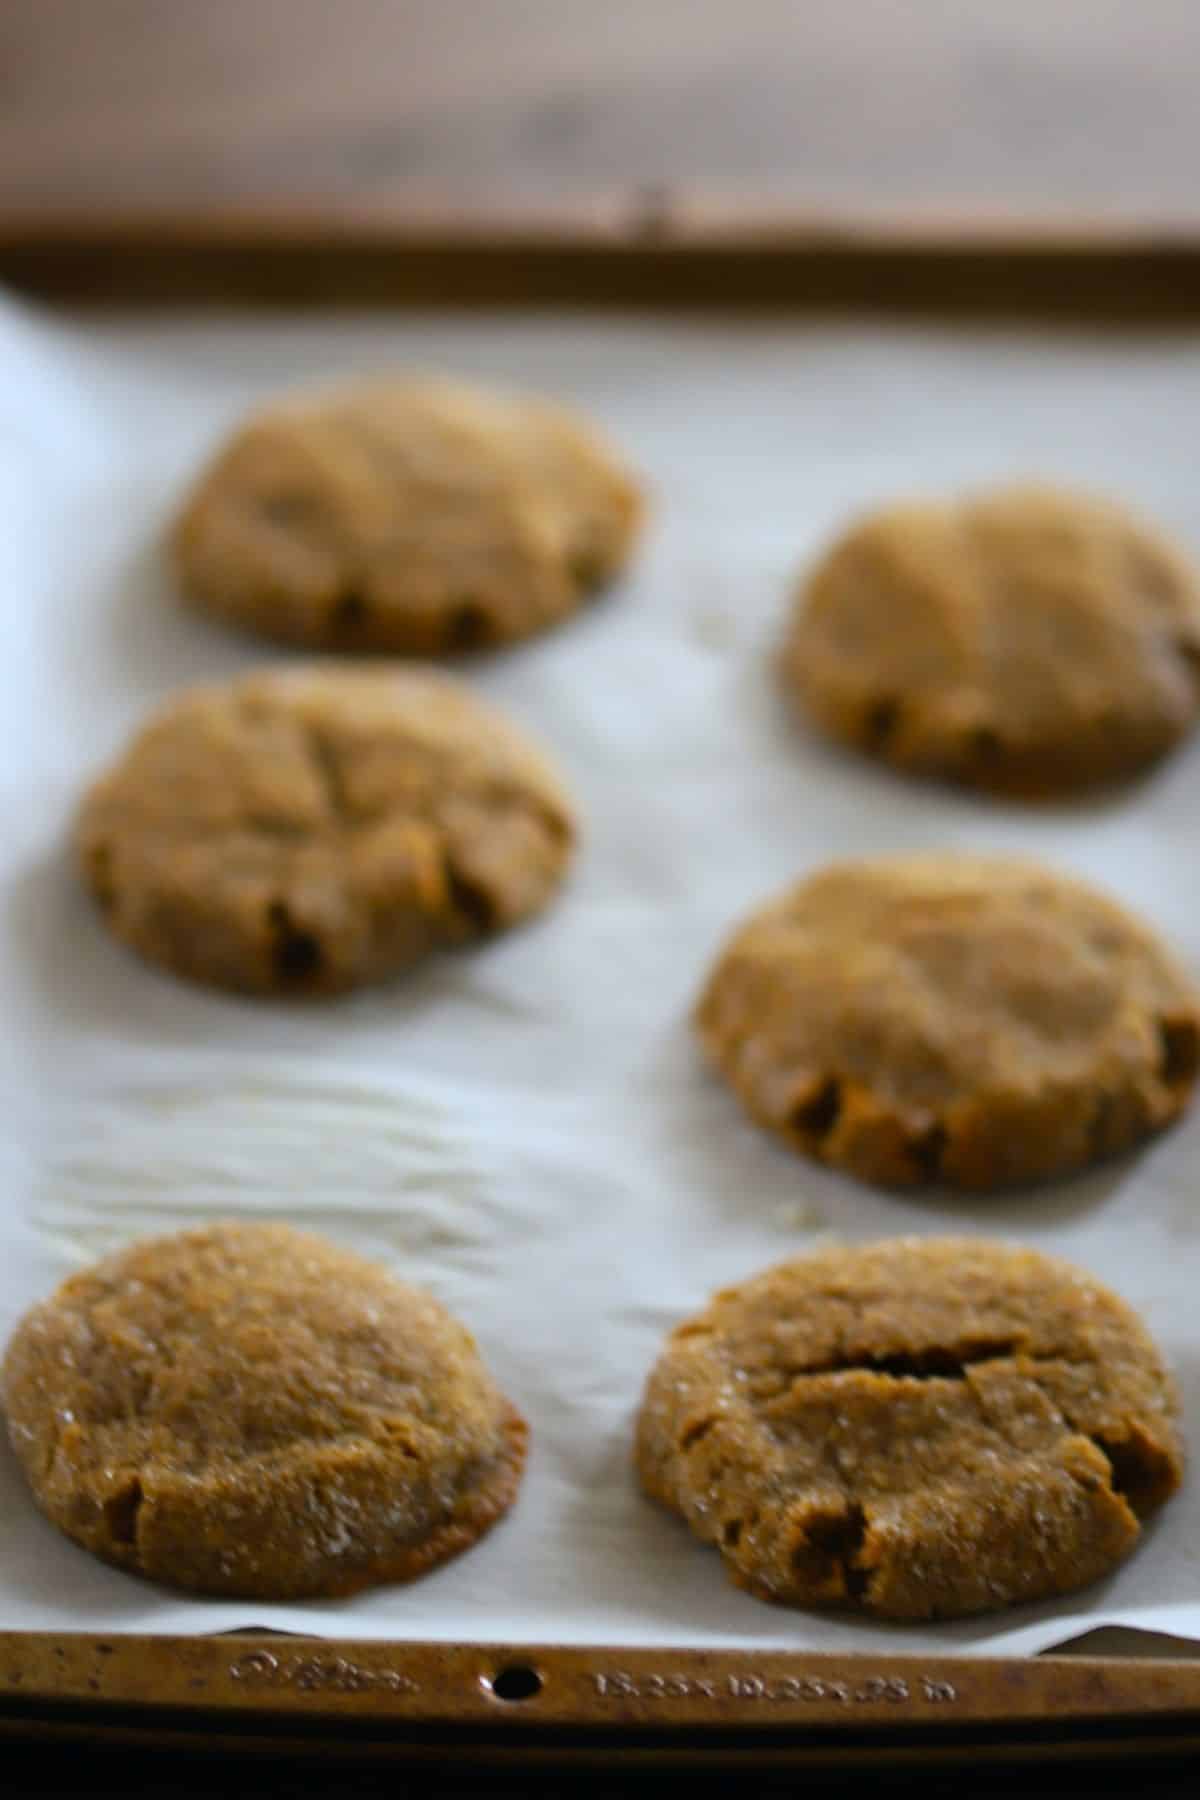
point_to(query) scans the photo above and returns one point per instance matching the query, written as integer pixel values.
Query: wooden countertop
(1077, 113)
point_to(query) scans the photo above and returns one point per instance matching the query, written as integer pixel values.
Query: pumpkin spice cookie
(915, 1429)
(248, 1410)
(970, 1019)
(306, 830)
(416, 517)
(1026, 640)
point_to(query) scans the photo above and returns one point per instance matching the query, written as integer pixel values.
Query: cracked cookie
(417, 517)
(248, 1410)
(306, 830)
(969, 1019)
(918, 1429)
(1027, 640)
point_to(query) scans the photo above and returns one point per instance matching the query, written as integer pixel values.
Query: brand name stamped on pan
(312, 1674)
(870, 1690)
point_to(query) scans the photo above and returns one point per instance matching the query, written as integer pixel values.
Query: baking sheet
(527, 1129)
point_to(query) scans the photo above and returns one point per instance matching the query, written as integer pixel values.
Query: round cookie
(1026, 640)
(248, 1410)
(410, 516)
(303, 831)
(916, 1429)
(976, 1020)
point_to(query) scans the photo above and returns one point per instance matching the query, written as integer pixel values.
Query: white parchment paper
(527, 1129)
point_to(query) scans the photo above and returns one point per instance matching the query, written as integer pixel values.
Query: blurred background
(1068, 113)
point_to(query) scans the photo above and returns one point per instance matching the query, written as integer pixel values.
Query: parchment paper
(527, 1129)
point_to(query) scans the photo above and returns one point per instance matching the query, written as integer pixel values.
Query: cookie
(970, 1019)
(248, 1410)
(916, 1429)
(408, 516)
(306, 830)
(1027, 640)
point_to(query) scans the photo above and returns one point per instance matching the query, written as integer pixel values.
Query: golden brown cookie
(302, 831)
(918, 1429)
(976, 1020)
(249, 1410)
(410, 516)
(1026, 640)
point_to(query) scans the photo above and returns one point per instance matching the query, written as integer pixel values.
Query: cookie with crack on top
(303, 831)
(249, 1410)
(417, 517)
(918, 1429)
(971, 1019)
(1025, 640)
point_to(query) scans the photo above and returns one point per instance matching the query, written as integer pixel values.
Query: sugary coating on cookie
(1025, 640)
(306, 830)
(249, 1410)
(412, 516)
(917, 1429)
(976, 1020)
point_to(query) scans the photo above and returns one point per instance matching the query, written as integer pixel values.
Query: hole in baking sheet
(514, 1683)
